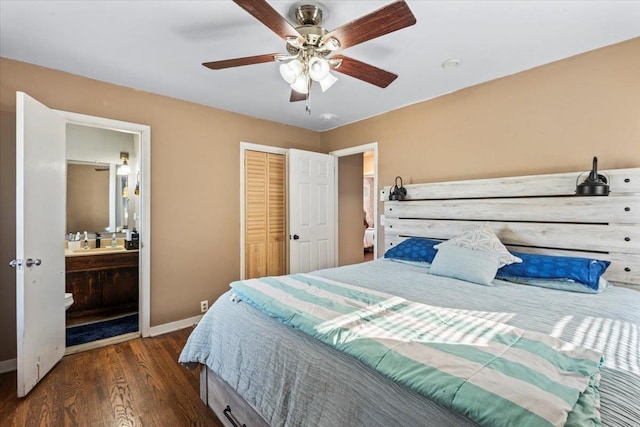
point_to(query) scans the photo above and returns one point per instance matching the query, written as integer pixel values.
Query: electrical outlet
(204, 306)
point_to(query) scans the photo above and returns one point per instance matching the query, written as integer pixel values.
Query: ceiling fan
(312, 51)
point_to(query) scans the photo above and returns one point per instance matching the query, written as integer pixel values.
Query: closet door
(276, 199)
(265, 244)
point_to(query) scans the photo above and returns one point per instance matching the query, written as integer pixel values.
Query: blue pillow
(414, 249)
(563, 284)
(465, 264)
(535, 266)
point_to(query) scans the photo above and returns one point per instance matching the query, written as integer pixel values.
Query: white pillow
(482, 238)
(465, 264)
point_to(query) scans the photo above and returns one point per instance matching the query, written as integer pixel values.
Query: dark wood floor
(368, 256)
(135, 383)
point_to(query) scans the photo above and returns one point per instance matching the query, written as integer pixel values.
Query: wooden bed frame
(538, 213)
(230, 408)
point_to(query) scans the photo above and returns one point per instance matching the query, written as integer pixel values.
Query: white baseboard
(174, 326)
(11, 364)
(8, 365)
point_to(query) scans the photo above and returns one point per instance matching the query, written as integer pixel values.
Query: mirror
(88, 202)
(98, 198)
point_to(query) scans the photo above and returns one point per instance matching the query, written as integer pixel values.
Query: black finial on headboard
(594, 185)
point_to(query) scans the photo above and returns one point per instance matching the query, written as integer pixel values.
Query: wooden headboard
(537, 213)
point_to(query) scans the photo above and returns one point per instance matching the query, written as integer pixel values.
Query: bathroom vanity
(102, 282)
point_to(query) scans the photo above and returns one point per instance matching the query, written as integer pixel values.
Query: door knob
(29, 262)
(296, 237)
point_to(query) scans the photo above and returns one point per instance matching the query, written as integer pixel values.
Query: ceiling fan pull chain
(308, 106)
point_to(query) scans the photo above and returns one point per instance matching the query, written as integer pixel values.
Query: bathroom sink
(96, 250)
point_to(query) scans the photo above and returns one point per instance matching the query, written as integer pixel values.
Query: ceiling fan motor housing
(308, 14)
(308, 18)
(312, 38)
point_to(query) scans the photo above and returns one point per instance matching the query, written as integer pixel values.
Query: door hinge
(17, 264)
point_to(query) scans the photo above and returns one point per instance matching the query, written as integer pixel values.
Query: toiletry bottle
(135, 239)
(97, 239)
(127, 240)
(86, 240)
(114, 241)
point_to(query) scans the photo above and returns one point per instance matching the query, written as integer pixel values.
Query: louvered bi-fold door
(265, 244)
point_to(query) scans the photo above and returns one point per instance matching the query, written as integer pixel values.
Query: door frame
(143, 134)
(244, 146)
(372, 146)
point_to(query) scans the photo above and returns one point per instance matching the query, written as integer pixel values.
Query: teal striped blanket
(493, 373)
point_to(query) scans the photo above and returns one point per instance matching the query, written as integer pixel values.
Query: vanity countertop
(97, 251)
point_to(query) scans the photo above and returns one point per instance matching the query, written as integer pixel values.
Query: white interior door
(40, 230)
(311, 210)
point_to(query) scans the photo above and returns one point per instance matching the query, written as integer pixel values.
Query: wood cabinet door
(86, 287)
(120, 287)
(102, 283)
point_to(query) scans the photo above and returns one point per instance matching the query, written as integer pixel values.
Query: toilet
(68, 300)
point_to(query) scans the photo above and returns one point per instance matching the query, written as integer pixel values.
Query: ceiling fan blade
(263, 12)
(237, 62)
(365, 72)
(383, 21)
(297, 96)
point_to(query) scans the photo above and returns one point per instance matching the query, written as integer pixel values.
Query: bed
(260, 371)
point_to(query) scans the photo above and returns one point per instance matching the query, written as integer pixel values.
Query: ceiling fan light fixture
(291, 71)
(301, 84)
(294, 41)
(327, 81)
(318, 68)
(308, 44)
(335, 62)
(284, 58)
(332, 44)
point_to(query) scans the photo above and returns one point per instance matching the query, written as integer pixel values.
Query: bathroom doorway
(107, 272)
(358, 166)
(368, 191)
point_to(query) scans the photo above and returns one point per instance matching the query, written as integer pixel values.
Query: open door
(311, 210)
(40, 230)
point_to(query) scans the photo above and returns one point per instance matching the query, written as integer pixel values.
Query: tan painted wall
(550, 119)
(7, 235)
(554, 118)
(350, 210)
(195, 179)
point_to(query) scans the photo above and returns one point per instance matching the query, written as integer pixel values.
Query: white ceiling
(159, 46)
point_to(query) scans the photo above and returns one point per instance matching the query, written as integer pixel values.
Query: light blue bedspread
(295, 380)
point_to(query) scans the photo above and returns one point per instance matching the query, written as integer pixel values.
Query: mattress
(291, 379)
